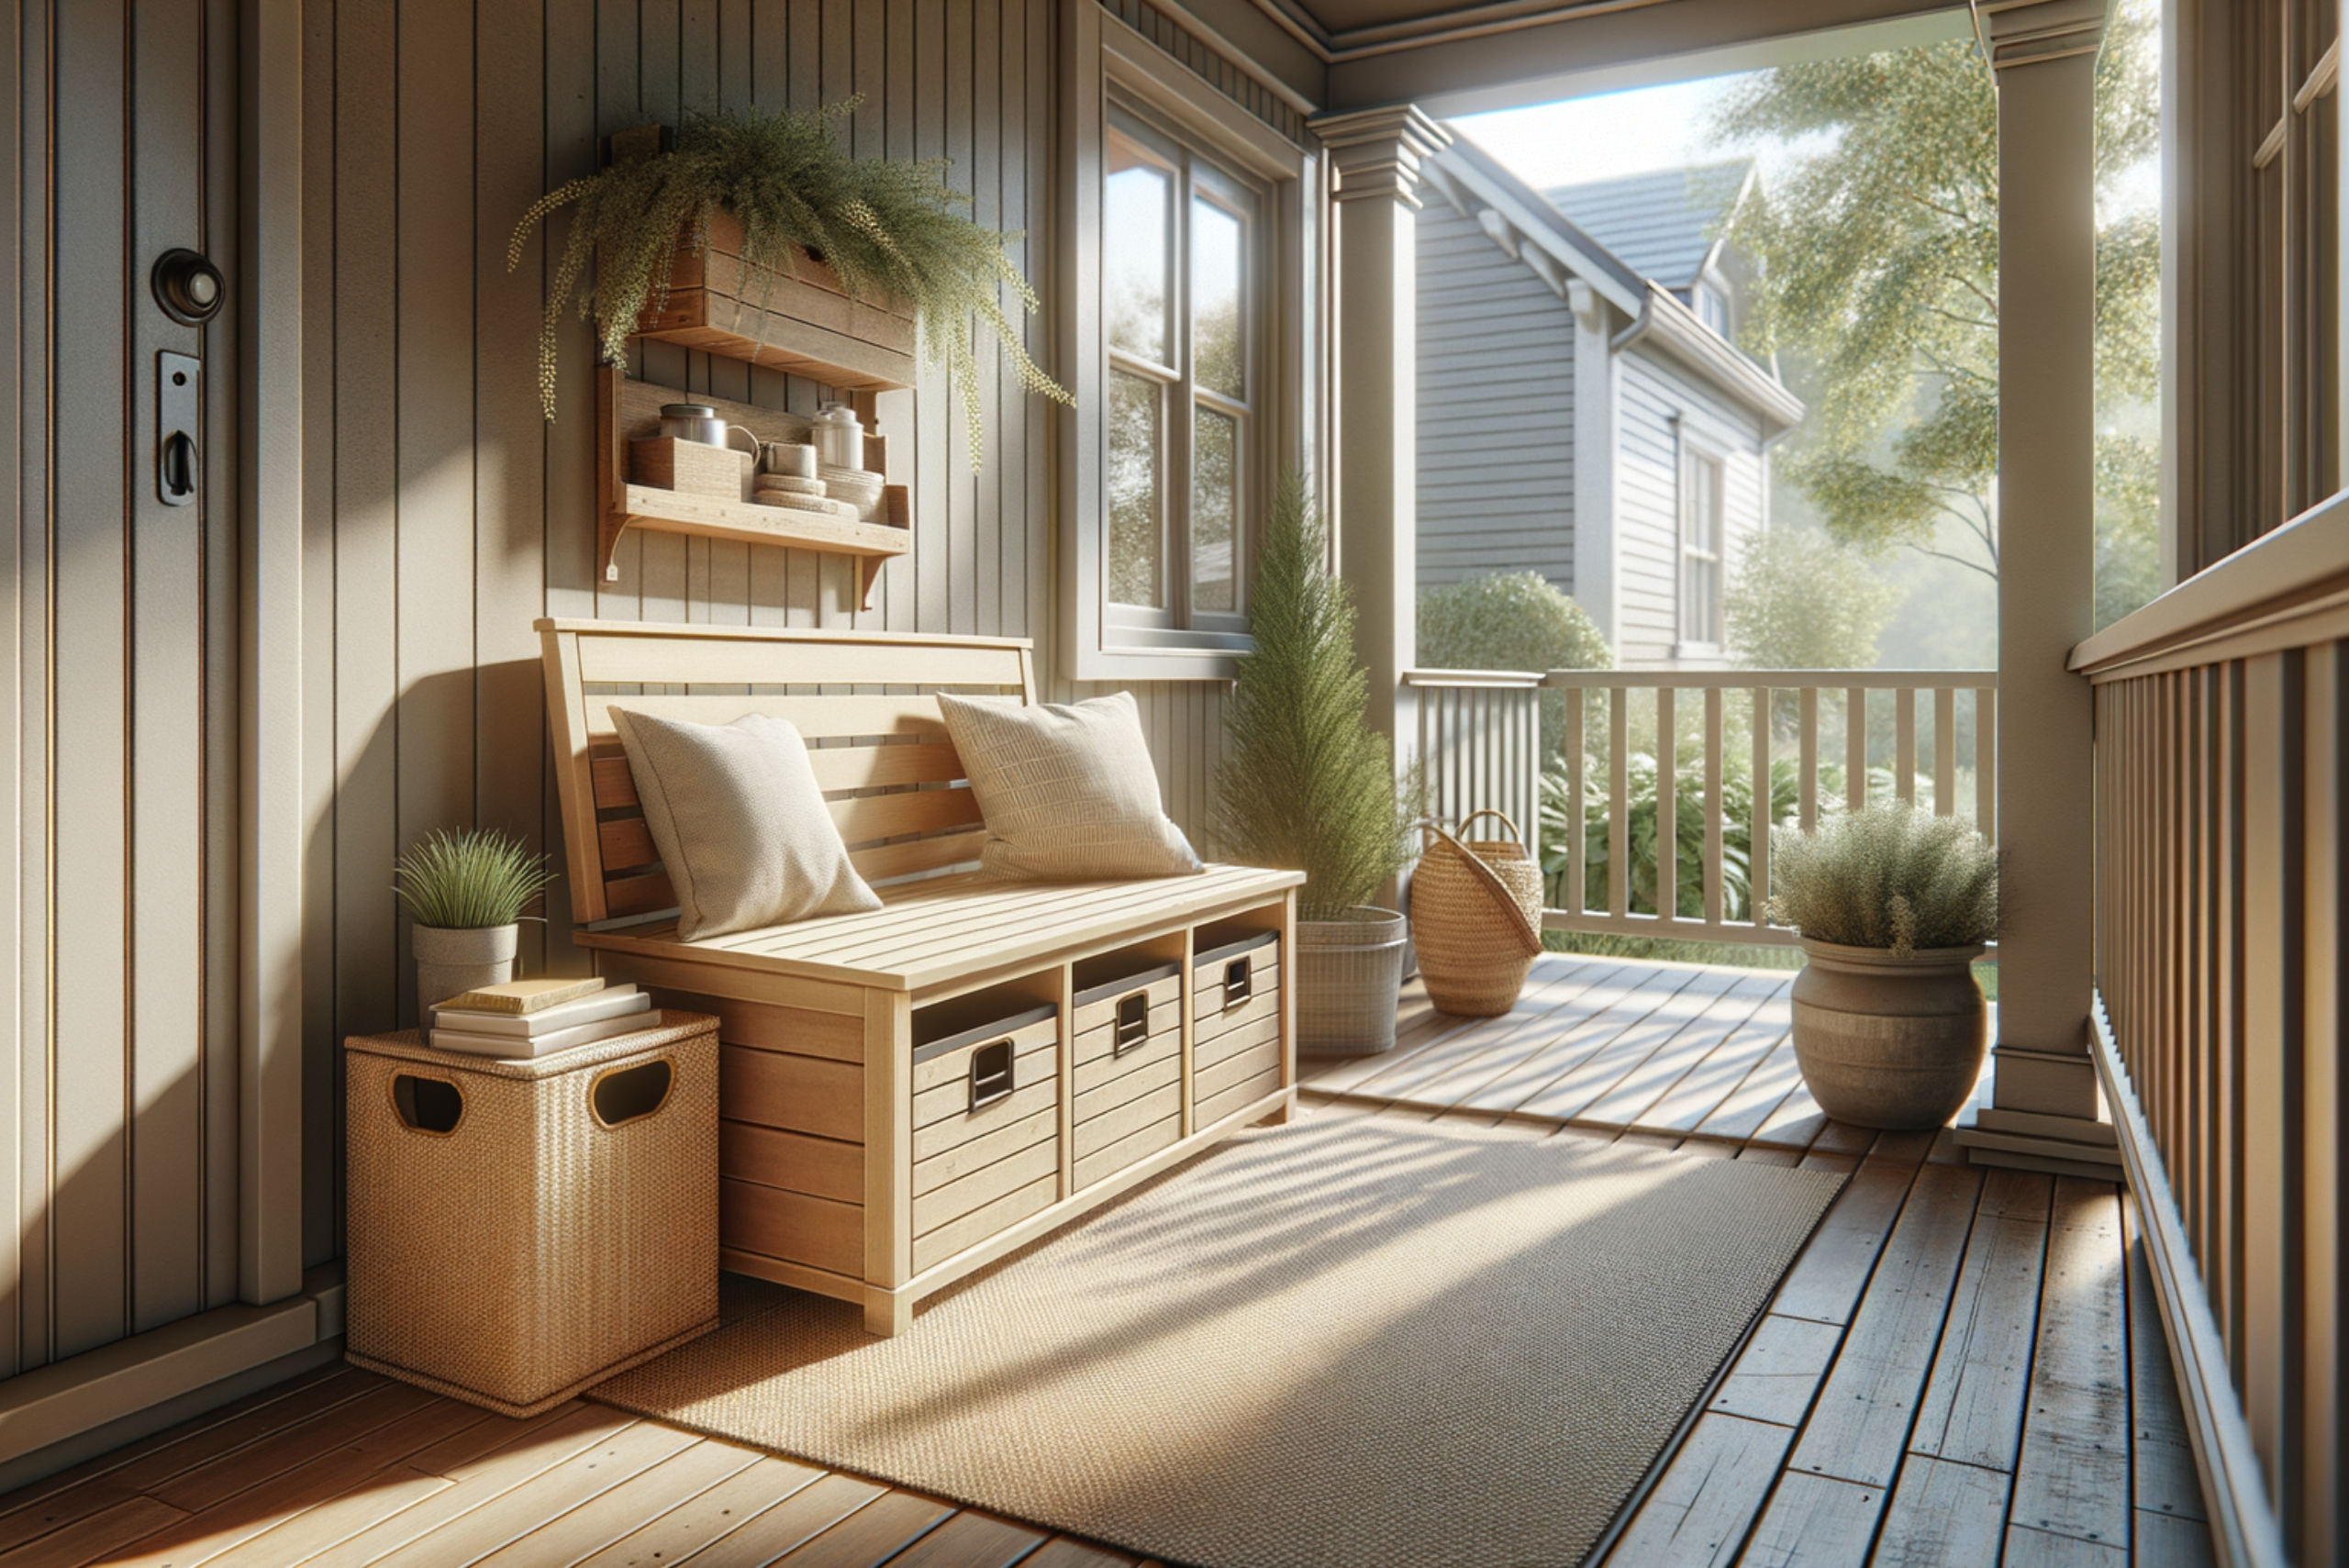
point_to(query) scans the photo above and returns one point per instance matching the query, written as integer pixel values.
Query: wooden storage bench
(910, 1094)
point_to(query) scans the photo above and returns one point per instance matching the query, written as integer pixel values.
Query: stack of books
(532, 1018)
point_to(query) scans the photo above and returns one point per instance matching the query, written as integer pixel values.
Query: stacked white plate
(791, 485)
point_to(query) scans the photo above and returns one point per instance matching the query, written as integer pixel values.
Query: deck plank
(1706, 1500)
(1709, 1084)
(869, 1536)
(1832, 1271)
(1974, 1404)
(1629, 1101)
(653, 1495)
(969, 1540)
(1582, 1086)
(479, 1480)
(1862, 1421)
(1526, 1073)
(2162, 1479)
(1470, 1054)
(1943, 1516)
(755, 1519)
(546, 1496)
(1778, 1371)
(1814, 1521)
(2165, 1540)
(2028, 1547)
(1747, 1108)
(2072, 1478)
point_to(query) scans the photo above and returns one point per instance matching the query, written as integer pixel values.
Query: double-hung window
(1182, 325)
(1702, 517)
(1189, 296)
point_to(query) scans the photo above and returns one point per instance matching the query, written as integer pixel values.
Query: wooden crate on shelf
(801, 320)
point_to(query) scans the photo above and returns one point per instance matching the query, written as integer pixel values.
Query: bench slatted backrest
(865, 702)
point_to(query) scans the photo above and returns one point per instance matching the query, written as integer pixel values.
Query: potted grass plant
(888, 227)
(1307, 784)
(1893, 905)
(466, 889)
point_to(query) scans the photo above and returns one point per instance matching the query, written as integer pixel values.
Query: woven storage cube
(521, 1230)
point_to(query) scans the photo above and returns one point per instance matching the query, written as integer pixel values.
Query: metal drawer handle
(1239, 981)
(990, 1073)
(1133, 1023)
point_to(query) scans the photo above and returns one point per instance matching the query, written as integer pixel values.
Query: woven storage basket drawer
(987, 1128)
(1129, 1067)
(521, 1230)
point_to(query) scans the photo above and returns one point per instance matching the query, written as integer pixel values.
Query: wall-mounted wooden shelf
(628, 410)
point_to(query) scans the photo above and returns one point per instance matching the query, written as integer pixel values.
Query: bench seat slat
(626, 842)
(900, 946)
(816, 717)
(836, 768)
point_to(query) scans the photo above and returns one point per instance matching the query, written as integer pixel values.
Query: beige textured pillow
(1067, 790)
(740, 824)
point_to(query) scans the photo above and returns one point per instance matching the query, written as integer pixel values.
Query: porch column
(2044, 1114)
(1374, 515)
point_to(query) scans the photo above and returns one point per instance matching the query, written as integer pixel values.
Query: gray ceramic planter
(1889, 1043)
(1349, 974)
(452, 962)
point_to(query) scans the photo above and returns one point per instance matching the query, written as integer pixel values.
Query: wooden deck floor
(1962, 1368)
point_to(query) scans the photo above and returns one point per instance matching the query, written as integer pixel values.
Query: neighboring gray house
(1582, 410)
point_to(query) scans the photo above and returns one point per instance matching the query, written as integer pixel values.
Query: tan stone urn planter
(1888, 1042)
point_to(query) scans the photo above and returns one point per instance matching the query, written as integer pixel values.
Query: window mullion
(1182, 418)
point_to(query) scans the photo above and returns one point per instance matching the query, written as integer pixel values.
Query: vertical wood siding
(445, 514)
(1496, 410)
(120, 1094)
(1647, 495)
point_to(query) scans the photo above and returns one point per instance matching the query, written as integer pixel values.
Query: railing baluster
(1667, 808)
(1986, 762)
(1904, 746)
(1618, 804)
(1855, 748)
(1713, 890)
(1807, 769)
(1577, 750)
(1763, 814)
(1945, 751)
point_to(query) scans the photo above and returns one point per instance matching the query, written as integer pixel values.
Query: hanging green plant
(887, 227)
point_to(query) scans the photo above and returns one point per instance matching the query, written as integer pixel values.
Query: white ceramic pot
(450, 962)
(1347, 976)
(1889, 1043)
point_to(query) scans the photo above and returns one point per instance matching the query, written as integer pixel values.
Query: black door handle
(176, 479)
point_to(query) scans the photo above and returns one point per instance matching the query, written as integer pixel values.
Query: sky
(1644, 128)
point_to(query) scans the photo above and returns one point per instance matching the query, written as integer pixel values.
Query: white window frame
(1105, 63)
(1688, 558)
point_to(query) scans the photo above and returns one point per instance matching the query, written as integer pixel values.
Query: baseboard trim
(2244, 1531)
(58, 1415)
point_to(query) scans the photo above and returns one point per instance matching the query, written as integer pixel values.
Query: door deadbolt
(189, 288)
(179, 405)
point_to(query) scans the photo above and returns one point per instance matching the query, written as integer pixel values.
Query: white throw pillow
(740, 823)
(1067, 790)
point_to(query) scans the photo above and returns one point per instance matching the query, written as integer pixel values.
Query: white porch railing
(1749, 749)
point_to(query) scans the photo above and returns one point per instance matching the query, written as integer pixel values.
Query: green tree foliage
(1799, 600)
(1879, 263)
(888, 227)
(1511, 620)
(1306, 784)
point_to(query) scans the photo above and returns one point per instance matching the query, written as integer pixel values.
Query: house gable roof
(1665, 224)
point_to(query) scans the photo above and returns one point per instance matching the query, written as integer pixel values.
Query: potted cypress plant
(1893, 905)
(1306, 784)
(466, 889)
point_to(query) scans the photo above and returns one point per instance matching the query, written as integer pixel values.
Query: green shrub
(1511, 620)
(1800, 601)
(1892, 876)
(468, 878)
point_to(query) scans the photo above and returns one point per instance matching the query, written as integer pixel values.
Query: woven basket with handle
(1475, 918)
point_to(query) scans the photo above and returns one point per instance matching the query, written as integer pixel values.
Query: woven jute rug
(1350, 1341)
